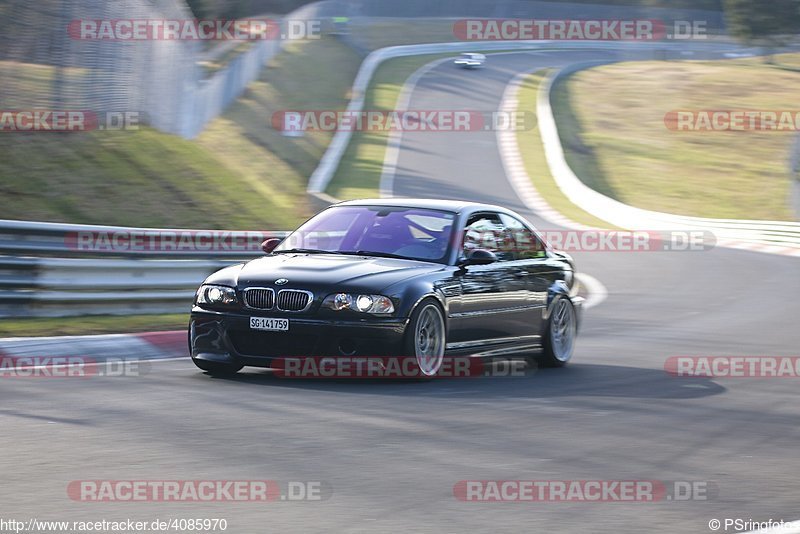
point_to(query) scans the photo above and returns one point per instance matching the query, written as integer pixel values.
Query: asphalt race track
(391, 453)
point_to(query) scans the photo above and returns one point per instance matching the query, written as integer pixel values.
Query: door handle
(520, 274)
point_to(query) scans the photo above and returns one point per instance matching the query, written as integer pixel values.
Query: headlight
(342, 301)
(216, 295)
(364, 303)
(377, 304)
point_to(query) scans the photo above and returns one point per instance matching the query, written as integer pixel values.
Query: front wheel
(559, 339)
(217, 368)
(426, 338)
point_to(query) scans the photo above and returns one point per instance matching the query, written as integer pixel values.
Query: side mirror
(269, 245)
(480, 256)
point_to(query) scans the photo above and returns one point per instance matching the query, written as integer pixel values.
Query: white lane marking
(514, 166)
(386, 188)
(511, 159)
(597, 292)
(392, 154)
(521, 182)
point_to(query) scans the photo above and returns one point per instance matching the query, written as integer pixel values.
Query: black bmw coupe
(421, 279)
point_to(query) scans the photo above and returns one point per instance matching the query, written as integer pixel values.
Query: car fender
(410, 294)
(227, 276)
(560, 289)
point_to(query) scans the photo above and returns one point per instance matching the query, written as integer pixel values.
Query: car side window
(527, 244)
(487, 231)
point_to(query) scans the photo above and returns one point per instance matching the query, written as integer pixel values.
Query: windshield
(410, 233)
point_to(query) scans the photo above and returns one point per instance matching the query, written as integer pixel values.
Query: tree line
(766, 22)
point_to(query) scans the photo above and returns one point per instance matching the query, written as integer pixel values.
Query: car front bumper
(227, 338)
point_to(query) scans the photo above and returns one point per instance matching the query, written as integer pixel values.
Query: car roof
(455, 206)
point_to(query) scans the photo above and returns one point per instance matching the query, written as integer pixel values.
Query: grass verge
(376, 34)
(533, 157)
(359, 173)
(92, 324)
(240, 173)
(611, 123)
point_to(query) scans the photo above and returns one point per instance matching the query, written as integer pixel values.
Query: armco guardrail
(57, 270)
(768, 236)
(118, 270)
(39, 287)
(324, 172)
(163, 79)
(28, 238)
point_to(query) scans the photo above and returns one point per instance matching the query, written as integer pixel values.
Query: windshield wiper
(304, 251)
(345, 252)
(377, 254)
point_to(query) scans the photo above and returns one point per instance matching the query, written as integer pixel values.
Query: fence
(38, 278)
(43, 65)
(41, 274)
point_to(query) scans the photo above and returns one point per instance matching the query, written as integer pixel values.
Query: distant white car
(470, 60)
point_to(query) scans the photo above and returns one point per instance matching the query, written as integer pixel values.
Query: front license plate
(272, 325)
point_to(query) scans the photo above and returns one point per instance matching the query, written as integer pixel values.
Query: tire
(559, 338)
(426, 338)
(218, 368)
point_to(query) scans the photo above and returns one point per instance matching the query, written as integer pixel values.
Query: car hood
(335, 272)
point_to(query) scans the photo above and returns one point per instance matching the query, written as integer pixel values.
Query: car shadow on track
(576, 380)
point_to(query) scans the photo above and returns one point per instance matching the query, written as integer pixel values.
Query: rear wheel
(559, 339)
(217, 368)
(426, 338)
